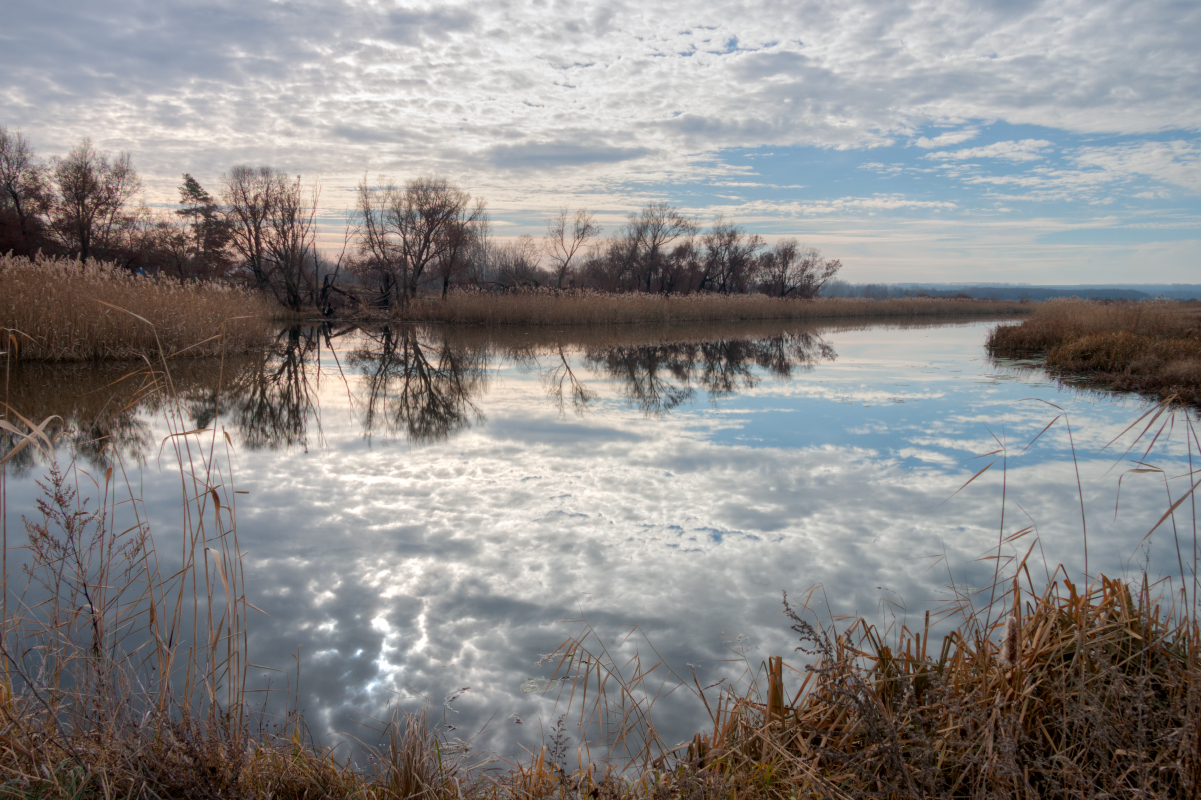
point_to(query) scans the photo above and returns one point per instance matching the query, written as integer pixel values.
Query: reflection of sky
(398, 568)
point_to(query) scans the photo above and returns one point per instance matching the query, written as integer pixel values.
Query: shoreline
(1152, 349)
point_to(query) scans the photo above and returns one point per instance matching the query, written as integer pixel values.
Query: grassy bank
(64, 310)
(1147, 347)
(594, 308)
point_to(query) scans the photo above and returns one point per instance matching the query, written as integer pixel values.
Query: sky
(1025, 142)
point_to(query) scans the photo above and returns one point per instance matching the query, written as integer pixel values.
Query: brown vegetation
(1150, 347)
(64, 310)
(601, 308)
(1078, 692)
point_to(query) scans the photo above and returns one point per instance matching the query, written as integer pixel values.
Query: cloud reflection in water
(427, 507)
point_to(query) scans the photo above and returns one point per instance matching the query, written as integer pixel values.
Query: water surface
(430, 509)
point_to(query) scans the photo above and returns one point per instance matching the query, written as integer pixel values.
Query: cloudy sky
(1043, 142)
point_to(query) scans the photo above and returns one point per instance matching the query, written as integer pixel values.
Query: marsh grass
(63, 310)
(1150, 347)
(125, 677)
(542, 307)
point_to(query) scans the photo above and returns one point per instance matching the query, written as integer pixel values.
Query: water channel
(429, 509)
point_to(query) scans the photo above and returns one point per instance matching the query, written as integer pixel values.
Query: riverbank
(63, 310)
(1149, 347)
(595, 308)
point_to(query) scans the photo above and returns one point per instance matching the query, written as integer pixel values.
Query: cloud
(552, 155)
(609, 105)
(1024, 150)
(947, 139)
(1177, 163)
(664, 79)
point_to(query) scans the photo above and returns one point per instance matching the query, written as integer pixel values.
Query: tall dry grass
(1151, 347)
(64, 310)
(597, 308)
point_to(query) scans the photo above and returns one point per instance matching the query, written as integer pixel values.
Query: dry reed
(1088, 692)
(597, 308)
(1150, 347)
(64, 310)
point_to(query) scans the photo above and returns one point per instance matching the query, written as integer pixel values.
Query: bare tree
(566, 235)
(788, 270)
(91, 196)
(249, 195)
(271, 223)
(423, 212)
(515, 264)
(479, 256)
(292, 242)
(453, 258)
(648, 233)
(23, 191)
(402, 231)
(729, 257)
(380, 255)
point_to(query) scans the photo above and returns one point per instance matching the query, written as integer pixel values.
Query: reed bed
(596, 308)
(1081, 692)
(1150, 347)
(63, 310)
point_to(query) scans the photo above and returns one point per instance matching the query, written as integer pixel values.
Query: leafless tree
(515, 264)
(402, 231)
(380, 257)
(729, 257)
(23, 190)
(566, 235)
(292, 243)
(454, 254)
(648, 233)
(271, 223)
(480, 257)
(249, 195)
(788, 270)
(91, 194)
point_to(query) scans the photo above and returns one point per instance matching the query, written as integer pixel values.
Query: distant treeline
(425, 236)
(881, 291)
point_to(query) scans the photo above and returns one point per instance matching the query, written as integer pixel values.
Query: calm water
(432, 510)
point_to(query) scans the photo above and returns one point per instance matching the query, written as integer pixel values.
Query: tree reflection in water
(658, 378)
(273, 397)
(416, 382)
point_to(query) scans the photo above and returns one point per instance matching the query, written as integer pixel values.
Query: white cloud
(1024, 150)
(467, 88)
(947, 139)
(1177, 162)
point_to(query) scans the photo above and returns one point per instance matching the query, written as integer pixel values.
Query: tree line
(425, 236)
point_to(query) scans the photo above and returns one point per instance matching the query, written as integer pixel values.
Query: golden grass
(1079, 691)
(596, 308)
(1150, 347)
(64, 310)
